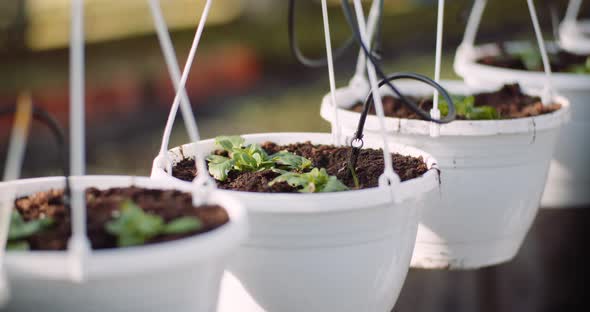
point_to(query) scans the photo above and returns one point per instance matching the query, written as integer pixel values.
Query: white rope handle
(473, 23)
(573, 10)
(435, 112)
(473, 26)
(548, 89)
(173, 68)
(203, 177)
(336, 130)
(12, 169)
(6, 206)
(78, 245)
(361, 64)
(389, 178)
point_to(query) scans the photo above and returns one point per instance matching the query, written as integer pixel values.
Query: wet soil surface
(334, 159)
(103, 205)
(562, 61)
(509, 101)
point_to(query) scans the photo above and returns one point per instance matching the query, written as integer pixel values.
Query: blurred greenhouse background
(246, 80)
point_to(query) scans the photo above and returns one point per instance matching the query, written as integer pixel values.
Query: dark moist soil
(510, 102)
(334, 159)
(560, 61)
(102, 205)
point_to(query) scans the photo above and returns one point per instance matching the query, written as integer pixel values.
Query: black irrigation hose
(297, 51)
(358, 136)
(397, 76)
(413, 106)
(59, 134)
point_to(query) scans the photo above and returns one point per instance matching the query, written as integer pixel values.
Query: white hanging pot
(574, 36)
(569, 175)
(180, 275)
(344, 251)
(492, 176)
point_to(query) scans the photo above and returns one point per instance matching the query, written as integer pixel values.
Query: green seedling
(465, 106)
(315, 181)
(250, 158)
(20, 230)
(135, 227)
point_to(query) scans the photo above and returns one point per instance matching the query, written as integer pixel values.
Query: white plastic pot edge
(131, 260)
(571, 36)
(315, 203)
(349, 96)
(466, 63)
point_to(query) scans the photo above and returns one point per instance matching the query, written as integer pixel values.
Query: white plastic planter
(569, 175)
(492, 177)
(574, 36)
(182, 275)
(345, 251)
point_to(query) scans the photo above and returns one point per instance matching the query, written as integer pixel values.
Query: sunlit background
(245, 80)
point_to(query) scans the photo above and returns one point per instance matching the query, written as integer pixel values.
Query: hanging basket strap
(173, 68)
(389, 179)
(203, 181)
(373, 23)
(573, 10)
(78, 245)
(468, 44)
(336, 127)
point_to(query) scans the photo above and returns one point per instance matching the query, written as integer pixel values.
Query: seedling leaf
(229, 143)
(291, 161)
(315, 181)
(18, 246)
(465, 106)
(183, 225)
(219, 166)
(134, 226)
(19, 229)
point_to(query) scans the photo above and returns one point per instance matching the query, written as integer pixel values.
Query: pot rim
(130, 260)
(466, 66)
(467, 128)
(316, 203)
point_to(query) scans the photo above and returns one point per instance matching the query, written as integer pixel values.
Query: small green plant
(315, 181)
(250, 158)
(20, 230)
(135, 227)
(532, 60)
(465, 106)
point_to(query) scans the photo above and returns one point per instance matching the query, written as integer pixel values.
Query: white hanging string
(6, 205)
(473, 23)
(361, 64)
(389, 178)
(435, 112)
(78, 246)
(173, 68)
(336, 131)
(12, 169)
(200, 162)
(573, 10)
(18, 138)
(548, 90)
